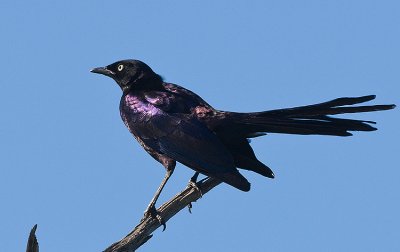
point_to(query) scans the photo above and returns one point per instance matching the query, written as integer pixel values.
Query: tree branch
(32, 245)
(143, 231)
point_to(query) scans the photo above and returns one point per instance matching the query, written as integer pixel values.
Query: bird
(173, 124)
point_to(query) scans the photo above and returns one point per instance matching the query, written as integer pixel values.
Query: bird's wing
(191, 143)
(189, 95)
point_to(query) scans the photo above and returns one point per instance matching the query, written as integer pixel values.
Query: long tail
(309, 120)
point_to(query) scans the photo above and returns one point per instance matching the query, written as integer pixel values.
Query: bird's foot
(196, 185)
(151, 211)
(190, 206)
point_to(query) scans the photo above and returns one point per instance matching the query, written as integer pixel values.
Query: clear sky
(68, 163)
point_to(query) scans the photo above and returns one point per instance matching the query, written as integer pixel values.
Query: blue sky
(68, 163)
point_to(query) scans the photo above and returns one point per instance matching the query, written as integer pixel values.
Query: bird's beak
(103, 70)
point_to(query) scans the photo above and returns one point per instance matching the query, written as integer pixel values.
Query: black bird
(174, 124)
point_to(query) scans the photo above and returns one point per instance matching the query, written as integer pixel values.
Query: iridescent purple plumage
(174, 124)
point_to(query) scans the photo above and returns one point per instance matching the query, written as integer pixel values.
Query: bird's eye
(120, 67)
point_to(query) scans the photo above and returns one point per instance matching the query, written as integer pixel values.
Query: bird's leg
(193, 179)
(151, 210)
(193, 183)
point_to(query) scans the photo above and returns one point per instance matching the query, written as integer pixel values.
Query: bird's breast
(137, 107)
(136, 112)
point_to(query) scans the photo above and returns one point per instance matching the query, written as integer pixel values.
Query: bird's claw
(161, 221)
(190, 206)
(151, 211)
(195, 185)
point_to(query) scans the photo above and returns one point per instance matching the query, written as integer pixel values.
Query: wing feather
(191, 143)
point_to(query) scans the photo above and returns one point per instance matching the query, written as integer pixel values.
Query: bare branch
(32, 245)
(143, 231)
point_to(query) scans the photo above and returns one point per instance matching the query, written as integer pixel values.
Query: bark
(143, 231)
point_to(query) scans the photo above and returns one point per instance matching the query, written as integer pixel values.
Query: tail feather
(311, 119)
(234, 179)
(332, 107)
(252, 164)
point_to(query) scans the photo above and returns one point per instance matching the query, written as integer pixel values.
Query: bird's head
(131, 74)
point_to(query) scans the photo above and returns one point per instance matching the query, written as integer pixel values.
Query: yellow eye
(120, 67)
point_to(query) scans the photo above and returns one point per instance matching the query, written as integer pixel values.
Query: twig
(32, 245)
(143, 232)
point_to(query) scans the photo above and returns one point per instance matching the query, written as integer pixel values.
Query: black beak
(103, 70)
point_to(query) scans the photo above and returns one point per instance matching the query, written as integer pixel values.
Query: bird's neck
(152, 83)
